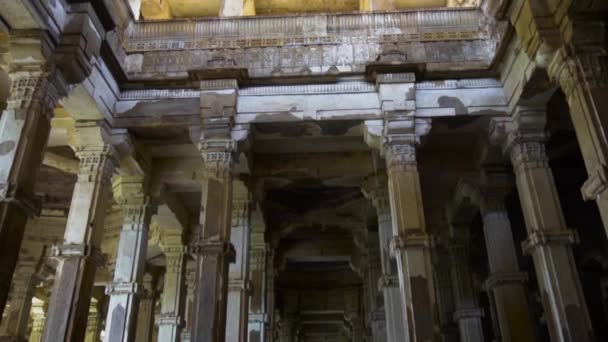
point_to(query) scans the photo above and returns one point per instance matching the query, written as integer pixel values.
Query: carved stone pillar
(15, 324)
(238, 273)
(94, 324)
(549, 239)
(145, 315)
(190, 284)
(468, 314)
(375, 188)
(411, 243)
(38, 318)
(24, 131)
(211, 246)
(375, 307)
(258, 315)
(130, 193)
(79, 256)
(580, 69)
(170, 320)
(357, 327)
(232, 8)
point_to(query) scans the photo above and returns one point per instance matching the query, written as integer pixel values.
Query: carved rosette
(96, 164)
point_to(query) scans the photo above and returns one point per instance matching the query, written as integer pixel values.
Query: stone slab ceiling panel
(298, 6)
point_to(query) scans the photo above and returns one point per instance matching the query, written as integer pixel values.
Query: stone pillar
(258, 315)
(211, 246)
(38, 318)
(378, 325)
(145, 315)
(411, 243)
(130, 193)
(238, 274)
(232, 8)
(506, 284)
(190, 284)
(79, 256)
(94, 324)
(17, 314)
(375, 188)
(24, 131)
(375, 311)
(170, 319)
(357, 327)
(580, 70)
(271, 317)
(549, 240)
(468, 314)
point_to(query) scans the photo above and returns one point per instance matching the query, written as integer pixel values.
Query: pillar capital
(388, 281)
(214, 249)
(417, 240)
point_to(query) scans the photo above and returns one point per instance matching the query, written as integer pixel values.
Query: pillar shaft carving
(79, 256)
(130, 193)
(548, 237)
(171, 319)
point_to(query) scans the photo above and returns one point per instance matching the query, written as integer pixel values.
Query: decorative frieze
(329, 29)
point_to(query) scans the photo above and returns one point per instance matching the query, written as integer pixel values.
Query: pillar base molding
(596, 184)
(388, 281)
(505, 278)
(468, 313)
(122, 288)
(544, 238)
(169, 319)
(75, 250)
(214, 248)
(416, 240)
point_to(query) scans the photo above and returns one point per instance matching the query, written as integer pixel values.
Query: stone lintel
(548, 237)
(504, 278)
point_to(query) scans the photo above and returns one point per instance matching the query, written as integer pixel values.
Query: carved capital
(505, 278)
(541, 238)
(72, 250)
(522, 137)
